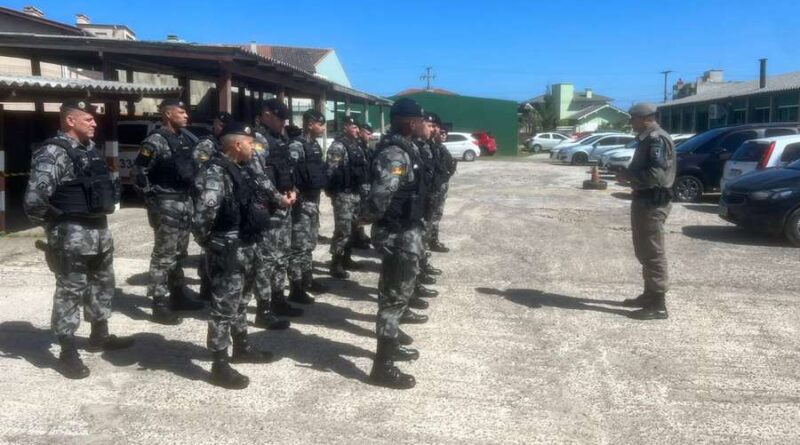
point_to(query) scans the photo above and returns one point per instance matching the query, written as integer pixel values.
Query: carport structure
(256, 77)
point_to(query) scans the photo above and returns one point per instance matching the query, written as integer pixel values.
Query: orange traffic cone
(595, 175)
(595, 183)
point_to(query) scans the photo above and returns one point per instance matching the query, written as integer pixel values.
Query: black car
(765, 201)
(701, 158)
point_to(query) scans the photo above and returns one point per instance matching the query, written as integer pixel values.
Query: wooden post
(383, 121)
(131, 105)
(335, 116)
(2, 172)
(366, 112)
(110, 123)
(322, 105)
(347, 106)
(282, 93)
(291, 109)
(186, 92)
(224, 91)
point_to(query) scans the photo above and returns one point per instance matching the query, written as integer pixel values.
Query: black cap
(78, 104)
(277, 107)
(237, 128)
(433, 117)
(172, 103)
(349, 120)
(293, 131)
(223, 116)
(406, 107)
(366, 126)
(314, 116)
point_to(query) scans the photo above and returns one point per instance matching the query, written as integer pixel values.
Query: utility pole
(665, 73)
(428, 76)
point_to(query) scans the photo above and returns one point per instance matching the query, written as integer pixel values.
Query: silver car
(545, 141)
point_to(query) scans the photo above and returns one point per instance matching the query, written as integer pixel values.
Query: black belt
(644, 193)
(91, 222)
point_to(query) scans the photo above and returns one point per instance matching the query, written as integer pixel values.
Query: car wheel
(469, 155)
(687, 189)
(792, 228)
(537, 148)
(579, 159)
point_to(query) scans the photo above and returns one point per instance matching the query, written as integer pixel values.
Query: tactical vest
(355, 172)
(311, 172)
(428, 162)
(176, 172)
(243, 211)
(407, 207)
(214, 140)
(92, 192)
(441, 164)
(281, 163)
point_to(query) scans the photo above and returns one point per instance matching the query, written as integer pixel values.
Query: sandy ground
(526, 344)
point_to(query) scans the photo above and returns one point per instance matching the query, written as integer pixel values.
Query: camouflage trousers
(231, 269)
(305, 228)
(438, 199)
(83, 262)
(647, 229)
(345, 210)
(273, 259)
(401, 252)
(171, 220)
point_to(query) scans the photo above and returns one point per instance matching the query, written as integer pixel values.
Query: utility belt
(658, 196)
(87, 221)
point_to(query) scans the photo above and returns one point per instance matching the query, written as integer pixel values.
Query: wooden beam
(110, 123)
(130, 105)
(224, 91)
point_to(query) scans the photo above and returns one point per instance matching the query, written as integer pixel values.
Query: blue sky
(503, 49)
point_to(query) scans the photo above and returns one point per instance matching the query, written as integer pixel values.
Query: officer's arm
(296, 150)
(144, 162)
(210, 189)
(388, 169)
(657, 162)
(335, 159)
(203, 152)
(264, 181)
(49, 165)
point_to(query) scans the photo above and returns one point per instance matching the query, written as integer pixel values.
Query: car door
(712, 167)
(790, 154)
(544, 140)
(603, 144)
(555, 140)
(455, 144)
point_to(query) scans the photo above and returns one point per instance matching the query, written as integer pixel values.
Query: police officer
(311, 178)
(396, 206)
(444, 170)
(347, 179)
(360, 239)
(426, 270)
(272, 150)
(164, 171)
(651, 174)
(69, 193)
(228, 220)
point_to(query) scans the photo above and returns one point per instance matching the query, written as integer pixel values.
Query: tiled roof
(303, 58)
(85, 85)
(783, 82)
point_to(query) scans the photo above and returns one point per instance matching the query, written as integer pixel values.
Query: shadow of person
(131, 305)
(22, 340)
(352, 290)
(314, 352)
(625, 196)
(143, 279)
(336, 317)
(712, 209)
(535, 299)
(732, 235)
(152, 352)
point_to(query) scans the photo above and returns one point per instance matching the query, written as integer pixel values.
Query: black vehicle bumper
(767, 216)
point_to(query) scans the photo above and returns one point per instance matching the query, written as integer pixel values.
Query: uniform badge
(397, 169)
(211, 202)
(259, 147)
(203, 157)
(146, 152)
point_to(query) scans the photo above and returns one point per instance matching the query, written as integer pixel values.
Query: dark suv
(701, 159)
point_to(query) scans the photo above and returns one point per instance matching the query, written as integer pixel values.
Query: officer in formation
(164, 172)
(360, 239)
(347, 180)
(228, 220)
(445, 169)
(396, 207)
(651, 174)
(69, 193)
(311, 179)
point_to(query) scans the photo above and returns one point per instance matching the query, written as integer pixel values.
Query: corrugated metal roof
(783, 82)
(85, 85)
(593, 109)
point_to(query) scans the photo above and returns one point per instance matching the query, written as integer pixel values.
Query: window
(791, 153)
(560, 137)
(760, 115)
(607, 141)
(733, 141)
(132, 134)
(751, 151)
(544, 136)
(455, 138)
(625, 140)
(787, 114)
(769, 132)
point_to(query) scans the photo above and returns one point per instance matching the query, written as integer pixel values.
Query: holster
(661, 196)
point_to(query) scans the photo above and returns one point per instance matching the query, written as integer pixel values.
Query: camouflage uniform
(305, 215)
(80, 250)
(170, 211)
(445, 169)
(346, 189)
(207, 148)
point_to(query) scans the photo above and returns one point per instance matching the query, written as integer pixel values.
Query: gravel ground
(526, 344)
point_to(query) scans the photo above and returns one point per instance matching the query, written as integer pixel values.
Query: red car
(486, 143)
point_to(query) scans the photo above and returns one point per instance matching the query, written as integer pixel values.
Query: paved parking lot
(526, 344)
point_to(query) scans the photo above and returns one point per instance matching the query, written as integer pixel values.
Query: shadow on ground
(152, 352)
(733, 235)
(703, 208)
(131, 305)
(20, 340)
(533, 298)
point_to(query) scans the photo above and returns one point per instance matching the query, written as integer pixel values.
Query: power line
(666, 74)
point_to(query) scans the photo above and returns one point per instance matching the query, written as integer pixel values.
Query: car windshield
(750, 151)
(631, 144)
(590, 140)
(698, 141)
(794, 165)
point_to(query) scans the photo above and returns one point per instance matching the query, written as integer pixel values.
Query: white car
(545, 141)
(569, 144)
(758, 154)
(624, 151)
(592, 150)
(462, 146)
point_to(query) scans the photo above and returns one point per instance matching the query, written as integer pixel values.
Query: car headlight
(776, 194)
(623, 158)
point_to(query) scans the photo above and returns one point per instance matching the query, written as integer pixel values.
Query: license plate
(723, 210)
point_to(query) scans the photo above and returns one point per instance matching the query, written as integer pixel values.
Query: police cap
(643, 109)
(170, 102)
(223, 116)
(293, 131)
(349, 120)
(434, 118)
(314, 116)
(78, 104)
(276, 107)
(406, 107)
(366, 126)
(237, 128)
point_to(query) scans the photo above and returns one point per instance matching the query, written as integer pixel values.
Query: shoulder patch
(259, 147)
(203, 157)
(146, 151)
(397, 168)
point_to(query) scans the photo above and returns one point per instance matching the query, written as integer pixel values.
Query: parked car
(462, 146)
(678, 139)
(545, 141)
(759, 154)
(618, 154)
(702, 157)
(765, 201)
(591, 151)
(486, 143)
(569, 144)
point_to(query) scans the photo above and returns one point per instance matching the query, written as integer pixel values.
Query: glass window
(607, 141)
(787, 114)
(545, 136)
(560, 137)
(733, 141)
(455, 138)
(791, 153)
(750, 151)
(132, 134)
(738, 117)
(769, 132)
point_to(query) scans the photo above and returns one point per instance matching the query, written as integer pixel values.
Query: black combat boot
(162, 313)
(436, 246)
(426, 268)
(361, 240)
(403, 338)
(265, 319)
(640, 301)
(384, 373)
(421, 291)
(279, 306)
(310, 284)
(418, 303)
(179, 300)
(223, 375)
(347, 261)
(403, 354)
(101, 340)
(298, 294)
(70, 364)
(425, 279)
(337, 268)
(205, 282)
(655, 309)
(411, 317)
(244, 352)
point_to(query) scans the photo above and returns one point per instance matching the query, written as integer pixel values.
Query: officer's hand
(286, 202)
